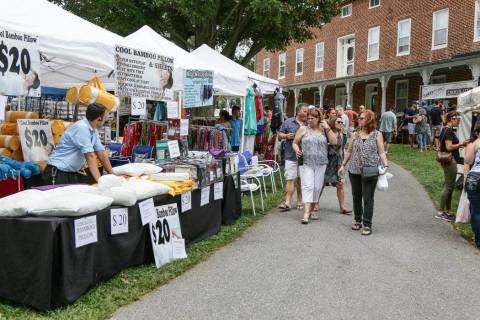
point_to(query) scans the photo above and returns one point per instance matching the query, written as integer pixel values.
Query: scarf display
(205, 138)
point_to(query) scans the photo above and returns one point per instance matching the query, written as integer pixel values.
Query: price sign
(119, 221)
(85, 231)
(184, 127)
(172, 110)
(173, 148)
(139, 106)
(178, 248)
(19, 64)
(163, 230)
(218, 191)
(186, 201)
(36, 139)
(147, 211)
(205, 196)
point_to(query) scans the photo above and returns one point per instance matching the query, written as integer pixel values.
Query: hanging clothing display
(142, 133)
(160, 111)
(278, 102)
(205, 138)
(250, 114)
(259, 107)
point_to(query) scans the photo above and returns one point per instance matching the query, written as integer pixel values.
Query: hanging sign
(143, 74)
(172, 110)
(19, 64)
(184, 127)
(446, 90)
(198, 88)
(173, 148)
(138, 106)
(36, 139)
(119, 221)
(205, 196)
(85, 231)
(218, 191)
(163, 230)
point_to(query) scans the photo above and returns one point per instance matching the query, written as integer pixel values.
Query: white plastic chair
(276, 169)
(246, 186)
(259, 171)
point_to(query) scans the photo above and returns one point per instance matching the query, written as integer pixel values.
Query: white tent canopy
(216, 59)
(74, 50)
(224, 84)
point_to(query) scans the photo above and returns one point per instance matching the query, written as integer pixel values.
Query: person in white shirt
(341, 113)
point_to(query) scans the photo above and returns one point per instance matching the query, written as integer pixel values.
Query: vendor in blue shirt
(236, 124)
(79, 145)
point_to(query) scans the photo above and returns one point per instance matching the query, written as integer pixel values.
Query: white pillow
(146, 189)
(149, 168)
(69, 204)
(129, 169)
(122, 196)
(109, 181)
(17, 204)
(75, 188)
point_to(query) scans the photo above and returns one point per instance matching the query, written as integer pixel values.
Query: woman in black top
(449, 143)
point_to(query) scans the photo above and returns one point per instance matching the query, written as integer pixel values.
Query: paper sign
(147, 211)
(119, 220)
(186, 201)
(198, 88)
(173, 148)
(139, 106)
(85, 231)
(184, 127)
(3, 104)
(235, 181)
(172, 110)
(178, 249)
(219, 172)
(205, 196)
(36, 138)
(163, 230)
(218, 191)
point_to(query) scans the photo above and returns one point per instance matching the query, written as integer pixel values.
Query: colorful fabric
(250, 114)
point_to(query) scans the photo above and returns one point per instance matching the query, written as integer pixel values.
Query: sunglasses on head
(339, 122)
(455, 118)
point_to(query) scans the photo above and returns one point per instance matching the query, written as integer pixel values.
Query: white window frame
(375, 6)
(476, 36)
(319, 68)
(348, 15)
(264, 67)
(406, 53)
(396, 92)
(368, 44)
(282, 57)
(297, 51)
(434, 18)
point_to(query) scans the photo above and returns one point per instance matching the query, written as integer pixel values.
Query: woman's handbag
(444, 157)
(367, 171)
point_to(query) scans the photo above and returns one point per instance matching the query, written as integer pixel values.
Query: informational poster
(85, 231)
(198, 88)
(446, 90)
(143, 74)
(163, 230)
(19, 64)
(36, 139)
(138, 106)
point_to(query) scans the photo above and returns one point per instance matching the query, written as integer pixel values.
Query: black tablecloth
(40, 266)
(232, 200)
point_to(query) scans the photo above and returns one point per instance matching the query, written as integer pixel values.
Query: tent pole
(242, 132)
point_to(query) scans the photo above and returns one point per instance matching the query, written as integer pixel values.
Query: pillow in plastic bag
(122, 196)
(76, 188)
(17, 204)
(63, 204)
(109, 181)
(146, 189)
(130, 169)
(149, 168)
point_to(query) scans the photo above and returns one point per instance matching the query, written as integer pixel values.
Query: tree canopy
(225, 24)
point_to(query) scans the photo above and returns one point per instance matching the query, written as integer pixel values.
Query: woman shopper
(313, 159)
(472, 181)
(449, 143)
(366, 151)
(335, 158)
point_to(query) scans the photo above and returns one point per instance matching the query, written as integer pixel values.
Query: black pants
(52, 175)
(235, 148)
(363, 192)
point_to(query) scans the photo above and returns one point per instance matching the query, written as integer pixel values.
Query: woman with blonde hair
(311, 146)
(366, 152)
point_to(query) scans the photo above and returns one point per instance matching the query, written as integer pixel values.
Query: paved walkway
(411, 267)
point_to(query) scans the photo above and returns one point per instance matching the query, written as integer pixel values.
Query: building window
(401, 94)
(440, 29)
(373, 4)
(477, 21)
(282, 58)
(442, 78)
(266, 67)
(373, 44)
(345, 55)
(319, 54)
(403, 37)
(299, 62)
(347, 10)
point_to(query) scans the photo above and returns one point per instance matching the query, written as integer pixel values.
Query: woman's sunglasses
(340, 122)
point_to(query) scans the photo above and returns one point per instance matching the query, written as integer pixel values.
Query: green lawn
(131, 284)
(429, 173)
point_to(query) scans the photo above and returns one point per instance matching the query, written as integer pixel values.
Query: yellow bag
(5, 152)
(13, 116)
(10, 142)
(9, 129)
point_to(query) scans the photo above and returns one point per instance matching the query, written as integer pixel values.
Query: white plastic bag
(146, 189)
(382, 183)
(59, 203)
(17, 205)
(149, 168)
(130, 169)
(463, 210)
(122, 196)
(109, 181)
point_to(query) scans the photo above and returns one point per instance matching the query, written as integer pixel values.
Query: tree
(225, 24)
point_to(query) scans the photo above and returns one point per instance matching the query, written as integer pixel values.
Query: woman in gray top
(314, 155)
(366, 150)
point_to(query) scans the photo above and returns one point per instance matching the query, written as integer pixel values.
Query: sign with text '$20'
(36, 139)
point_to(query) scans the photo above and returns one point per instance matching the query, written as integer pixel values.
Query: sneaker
(444, 216)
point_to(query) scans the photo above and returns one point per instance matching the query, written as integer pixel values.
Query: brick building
(382, 48)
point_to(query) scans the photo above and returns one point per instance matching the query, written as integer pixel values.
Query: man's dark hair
(235, 108)
(452, 114)
(95, 111)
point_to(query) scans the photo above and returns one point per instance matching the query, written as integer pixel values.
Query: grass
(429, 173)
(131, 284)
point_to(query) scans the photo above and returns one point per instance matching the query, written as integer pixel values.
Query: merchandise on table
(9, 129)
(13, 116)
(171, 176)
(10, 142)
(11, 168)
(137, 169)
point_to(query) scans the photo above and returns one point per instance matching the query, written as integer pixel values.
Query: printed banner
(36, 139)
(198, 88)
(143, 74)
(446, 90)
(19, 64)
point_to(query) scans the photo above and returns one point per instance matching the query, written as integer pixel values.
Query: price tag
(218, 191)
(36, 139)
(139, 106)
(147, 211)
(3, 104)
(186, 201)
(85, 231)
(184, 127)
(119, 221)
(178, 249)
(173, 148)
(205, 196)
(172, 110)
(219, 173)
(212, 176)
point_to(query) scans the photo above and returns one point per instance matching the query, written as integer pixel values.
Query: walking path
(411, 267)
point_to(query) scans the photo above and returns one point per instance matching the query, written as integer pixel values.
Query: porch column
(475, 68)
(426, 74)
(296, 94)
(384, 83)
(349, 86)
(321, 91)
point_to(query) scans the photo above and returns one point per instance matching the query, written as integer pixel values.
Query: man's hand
(290, 136)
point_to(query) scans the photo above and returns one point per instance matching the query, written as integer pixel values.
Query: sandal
(299, 207)
(356, 226)
(346, 211)
(306, 220)
(314, 216)
(366, 231)
(284, 207)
